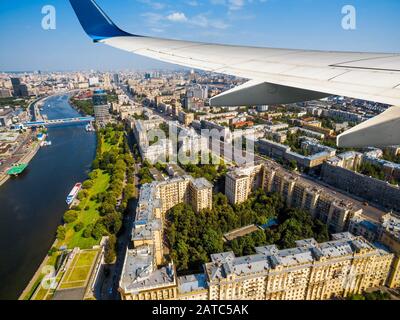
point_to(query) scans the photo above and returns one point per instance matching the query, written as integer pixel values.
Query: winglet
(95, 22)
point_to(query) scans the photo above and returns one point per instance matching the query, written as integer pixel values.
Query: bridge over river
(55, 122)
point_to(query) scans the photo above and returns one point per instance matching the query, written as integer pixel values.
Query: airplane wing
(277, 76)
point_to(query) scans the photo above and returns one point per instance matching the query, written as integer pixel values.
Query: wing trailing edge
(259, 93)
(380, 131)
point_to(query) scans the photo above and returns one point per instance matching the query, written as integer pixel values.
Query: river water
(32, 205)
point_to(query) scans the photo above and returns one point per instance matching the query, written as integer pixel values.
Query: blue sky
(305, 24)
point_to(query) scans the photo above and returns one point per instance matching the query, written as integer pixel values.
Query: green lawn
(101, 183)
(75, 239)
(79, 271)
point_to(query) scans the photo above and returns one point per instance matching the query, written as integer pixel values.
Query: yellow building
(390, 237)
(193, 287)
(239, 184)
(141, 280)
(196, 192)
(297, 192)
(312, 271)
(186, 118)
(320, 129)
(144, 275)
(200, 194)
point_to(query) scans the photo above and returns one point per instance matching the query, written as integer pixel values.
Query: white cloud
(154, 4)
(177, 17)
(205, 22)
(235, 4)
(192, 3)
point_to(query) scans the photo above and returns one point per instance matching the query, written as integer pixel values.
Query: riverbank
(84, 106)
(101, 208)
(32, 206)
(28, 156)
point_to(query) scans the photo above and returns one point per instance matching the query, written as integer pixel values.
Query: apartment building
(200, 194)
(186, 118)
(141, 278)
(297, 192)
(311, 271)
(239, 184)
(371, 189)
(389, 236)
(196, 192)
(319, 153)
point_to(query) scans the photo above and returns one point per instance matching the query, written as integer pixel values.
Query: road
(110, 283)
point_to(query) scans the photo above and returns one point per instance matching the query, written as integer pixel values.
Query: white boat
(74, 193)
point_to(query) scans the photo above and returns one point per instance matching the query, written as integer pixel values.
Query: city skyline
(317, 25)
(257, 157)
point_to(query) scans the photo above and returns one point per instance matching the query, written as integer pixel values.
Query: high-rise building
(101, 107)
(239, 184)
(16, 82)
(5, 93)
(93, 81)
(20, 90)
(297, 192)
(116, 79)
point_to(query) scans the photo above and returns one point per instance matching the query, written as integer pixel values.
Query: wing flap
(381, 131)
(259, 93)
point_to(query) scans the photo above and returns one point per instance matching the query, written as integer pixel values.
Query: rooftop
(192, 283)
(391, 224)
(18, 169)
(201, 183)
(269, 257)
(140, 272)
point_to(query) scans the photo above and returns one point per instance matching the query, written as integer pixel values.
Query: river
(32, 205)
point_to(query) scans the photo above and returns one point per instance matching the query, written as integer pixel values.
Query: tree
(70, 216)
(109, 252)
(99, 230)
(212, 241)
(182, 253)
(93, 175)
(82, 195)
(112, 222)
(61, 232)
(87, 233)
(87, 184)
(79, 226)
(293, 165)
(96, 164)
